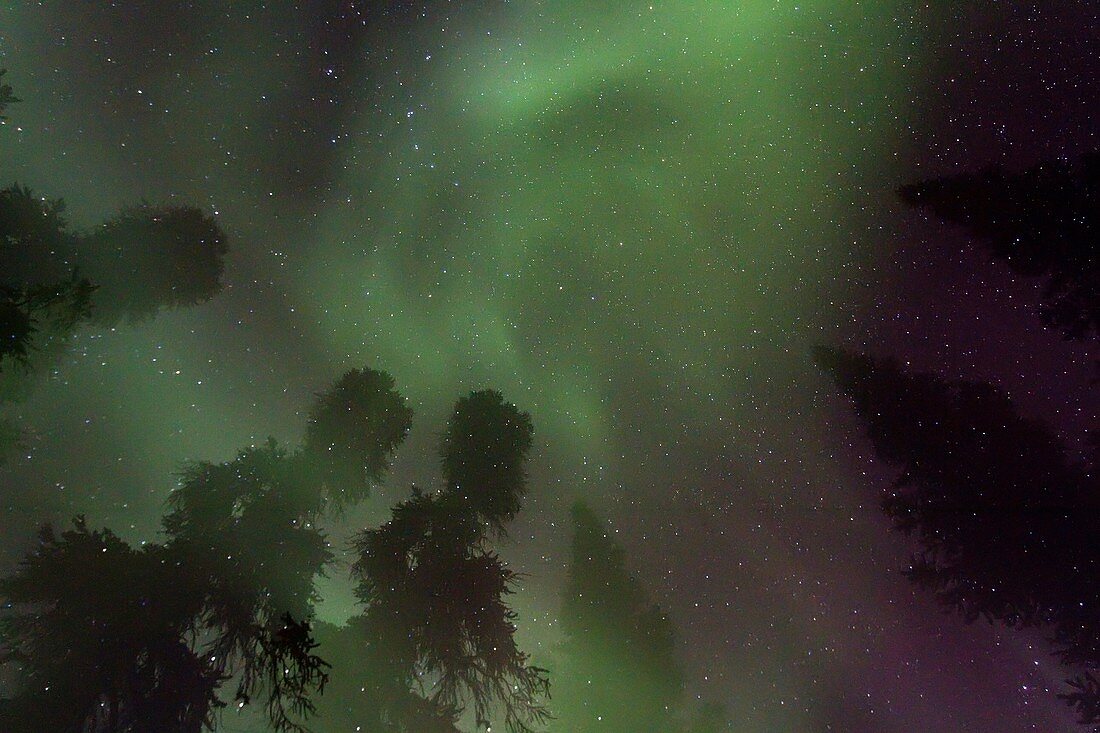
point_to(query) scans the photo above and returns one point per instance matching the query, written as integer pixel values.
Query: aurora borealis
(634, 220)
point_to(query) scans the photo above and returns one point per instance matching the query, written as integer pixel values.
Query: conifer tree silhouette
(1005, 520)
(145, 639)
(53, 279)
(618, 669)
(436, 640)
(1043, 222)
(111, 638)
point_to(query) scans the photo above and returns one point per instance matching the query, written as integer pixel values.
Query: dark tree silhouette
(353, 429)
(483, 450)
(128, 640)
(7, 95)
(144, 640)
(102, 642)
(37, 247)
(52, 279)
(42, 298)
(244, 538)
(367, 691)
(1044, 222)
(1006, 521)
(110, 638)
(618, 668)
(436, 638)
(151, 257)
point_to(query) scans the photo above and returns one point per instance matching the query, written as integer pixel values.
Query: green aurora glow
(633, 219)
(640, 191)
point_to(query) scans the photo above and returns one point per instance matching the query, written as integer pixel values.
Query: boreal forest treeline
(1004, 513)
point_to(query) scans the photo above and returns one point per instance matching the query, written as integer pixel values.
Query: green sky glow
(637, 190)
(632, 219)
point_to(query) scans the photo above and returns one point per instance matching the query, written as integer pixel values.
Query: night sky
(633, 219)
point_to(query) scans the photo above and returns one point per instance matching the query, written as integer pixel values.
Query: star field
(635, 221)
